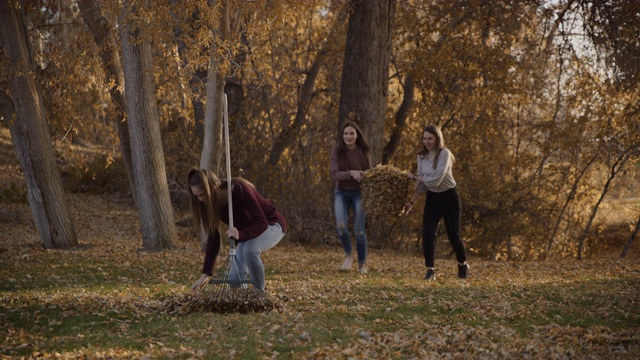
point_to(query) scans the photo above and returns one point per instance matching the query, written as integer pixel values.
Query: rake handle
(225, 117)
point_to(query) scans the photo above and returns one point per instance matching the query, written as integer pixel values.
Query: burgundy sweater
(356, 160)
(252, 214)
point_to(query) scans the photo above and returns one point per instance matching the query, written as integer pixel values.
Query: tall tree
(365, 73)
(152, 191)
(212, 141)
(289, 134)
(108, 50)
(30, 134)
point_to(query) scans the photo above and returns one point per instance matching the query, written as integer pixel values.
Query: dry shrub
(97, 174)
(13, 193)
(609, 239)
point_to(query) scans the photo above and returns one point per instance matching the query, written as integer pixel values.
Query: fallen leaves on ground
(526, 310)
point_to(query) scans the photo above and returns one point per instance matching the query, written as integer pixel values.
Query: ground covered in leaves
(108, 300)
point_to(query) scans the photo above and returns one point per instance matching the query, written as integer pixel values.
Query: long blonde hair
(207, 214)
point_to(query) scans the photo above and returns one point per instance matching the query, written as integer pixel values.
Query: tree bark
(101, 31)
(401, 120)
(152, 190)
(211, 156)
(365, 73)
(627, 247)
(31, 137)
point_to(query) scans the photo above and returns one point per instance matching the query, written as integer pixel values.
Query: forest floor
(106, 299)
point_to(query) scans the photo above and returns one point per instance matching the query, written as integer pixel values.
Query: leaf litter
(573, 309)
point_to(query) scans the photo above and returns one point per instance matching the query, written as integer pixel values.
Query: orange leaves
(109, 300)
(384, 190)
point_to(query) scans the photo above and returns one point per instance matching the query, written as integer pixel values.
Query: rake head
(231, 292)
(227, 298)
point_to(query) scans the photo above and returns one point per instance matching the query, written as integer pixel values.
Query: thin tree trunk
(630, 242)
(619, 163)
(401, 120)
(571, 196)
(289, 135)
(152, 190)
(556, 24)
(31, 137)
(211, 156)
(198, 77)
(101, 30)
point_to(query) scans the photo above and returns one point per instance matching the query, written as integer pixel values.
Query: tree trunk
(30, 135)
(211, 156)
(630, 242)
(152, 190)
(401, 120)
(567, 201)
(101, 31)
(615, 168)
(199, 75)
(289, 135)
(365, 73)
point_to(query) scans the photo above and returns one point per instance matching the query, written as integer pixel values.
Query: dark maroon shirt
(356, 160)
(252, 214)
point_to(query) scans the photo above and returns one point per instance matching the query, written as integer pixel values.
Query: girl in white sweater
(435, 178)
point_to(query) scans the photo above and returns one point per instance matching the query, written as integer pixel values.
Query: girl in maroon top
(349, 158)
(258, 225)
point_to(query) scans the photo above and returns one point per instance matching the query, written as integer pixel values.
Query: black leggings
(445, 205)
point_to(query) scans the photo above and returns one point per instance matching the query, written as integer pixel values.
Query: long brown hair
(207, 214)
(361, 142)
(435, 131)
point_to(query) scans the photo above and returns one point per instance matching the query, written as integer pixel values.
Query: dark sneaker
(462, 271)
(431, 274)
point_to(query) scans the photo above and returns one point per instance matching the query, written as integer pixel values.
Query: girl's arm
(211, 253)
(444, 162)
(336, 173)
(412, 201)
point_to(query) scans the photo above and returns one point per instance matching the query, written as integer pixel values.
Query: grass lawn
(107, 300)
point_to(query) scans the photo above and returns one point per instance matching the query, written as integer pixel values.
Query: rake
(231, 290)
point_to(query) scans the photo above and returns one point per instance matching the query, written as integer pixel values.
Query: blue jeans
(248, 255)
(344, 200)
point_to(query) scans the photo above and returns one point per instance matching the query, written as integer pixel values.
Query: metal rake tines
(233, 292)
(223, 298)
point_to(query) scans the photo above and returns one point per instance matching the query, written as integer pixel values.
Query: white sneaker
(362, 269)
(346, 265)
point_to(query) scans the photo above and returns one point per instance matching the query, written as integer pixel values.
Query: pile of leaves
(384, 189)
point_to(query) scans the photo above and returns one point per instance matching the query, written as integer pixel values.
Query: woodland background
(538, 100)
